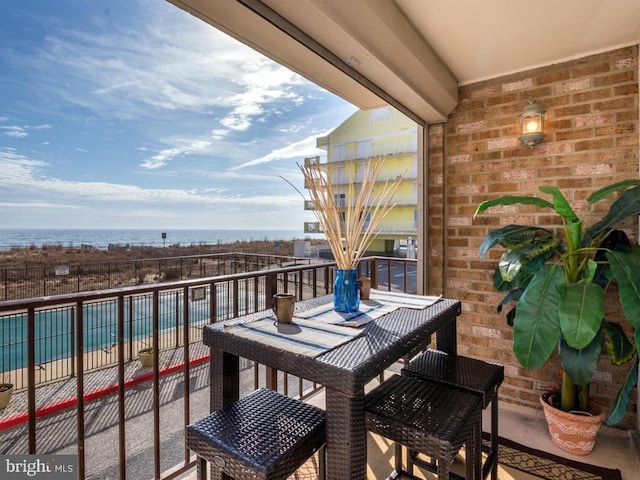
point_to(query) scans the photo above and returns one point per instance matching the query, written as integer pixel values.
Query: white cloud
(38, 205)
(219, 133)
(23, 174)
(303, 148)
(14, 131)
(163, 156)
(169, 63)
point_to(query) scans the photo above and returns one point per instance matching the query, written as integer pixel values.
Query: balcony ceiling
(415, 53)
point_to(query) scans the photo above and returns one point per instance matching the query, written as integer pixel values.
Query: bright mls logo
(40, 467)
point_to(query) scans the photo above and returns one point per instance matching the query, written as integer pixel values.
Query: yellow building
(382, 132)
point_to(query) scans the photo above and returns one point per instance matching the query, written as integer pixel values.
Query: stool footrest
(431, 419)
(469, 375)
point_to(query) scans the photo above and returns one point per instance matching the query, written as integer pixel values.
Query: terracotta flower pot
(574, 433)
(5, 395)
(146, 357)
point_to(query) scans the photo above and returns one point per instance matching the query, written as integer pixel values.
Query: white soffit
(479, 40)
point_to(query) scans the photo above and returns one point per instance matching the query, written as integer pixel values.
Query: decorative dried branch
(351, 229)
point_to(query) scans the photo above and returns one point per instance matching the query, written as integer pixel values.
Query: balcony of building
(81, 390)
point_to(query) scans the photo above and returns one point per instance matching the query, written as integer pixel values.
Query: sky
(135, 114)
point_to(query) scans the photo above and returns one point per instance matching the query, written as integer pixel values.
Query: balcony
(127, 421)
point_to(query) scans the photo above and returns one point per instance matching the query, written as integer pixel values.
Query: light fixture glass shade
(532, 124)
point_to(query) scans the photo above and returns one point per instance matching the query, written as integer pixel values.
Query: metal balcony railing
(86, 345)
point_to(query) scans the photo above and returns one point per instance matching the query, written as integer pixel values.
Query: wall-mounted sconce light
(532, 120)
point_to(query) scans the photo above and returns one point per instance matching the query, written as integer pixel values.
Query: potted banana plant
(558, 283)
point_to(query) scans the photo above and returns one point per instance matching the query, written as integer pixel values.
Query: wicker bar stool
(264, 435)
(428, 418)
(471, 375)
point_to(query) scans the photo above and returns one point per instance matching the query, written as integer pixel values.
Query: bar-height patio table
(344, 370)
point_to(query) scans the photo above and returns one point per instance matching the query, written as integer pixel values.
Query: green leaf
(589, 272)
(621, 405)
(536, 263)
(581, 311)
(536, 328)
(609, 189)
(581, 364)
(618, 345)
(575, 235)
(513, 296)
(627, 206)
(626, 271)
(560, 204)
(509, 235)
(520, 255)
(511, 200)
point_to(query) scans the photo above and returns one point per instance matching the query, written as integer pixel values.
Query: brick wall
(591, 126)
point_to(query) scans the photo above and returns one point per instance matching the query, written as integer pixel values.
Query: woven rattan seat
(469, 374)
(431, 419)
(264, 435)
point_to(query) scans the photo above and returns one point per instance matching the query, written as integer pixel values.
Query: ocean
(102, 238)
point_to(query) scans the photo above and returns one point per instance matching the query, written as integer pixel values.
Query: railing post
(270, 287)
(31, 377)
(185, 301)
(73, 341)
(374, 274)
(122, 453)
(80, 388)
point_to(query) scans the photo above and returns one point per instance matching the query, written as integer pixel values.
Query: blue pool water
(55, 335)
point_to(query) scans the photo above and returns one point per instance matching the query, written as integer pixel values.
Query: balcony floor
(614, 448)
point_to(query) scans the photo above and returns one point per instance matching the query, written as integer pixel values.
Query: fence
(70, 336)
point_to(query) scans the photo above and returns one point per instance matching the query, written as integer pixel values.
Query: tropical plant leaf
(511, 262)
(498, 236)
(513, 296)
(581, 311)
(536, 263)
(589, 272)
(581, 364)
(625, 269)
(609, 189)
(510, 200)
(620, 349)
(560, 204)
(627, 206)
(521, 280)
(574, 236)
(536, 329)
(615, 240)
(621, 405)
(517, 257)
